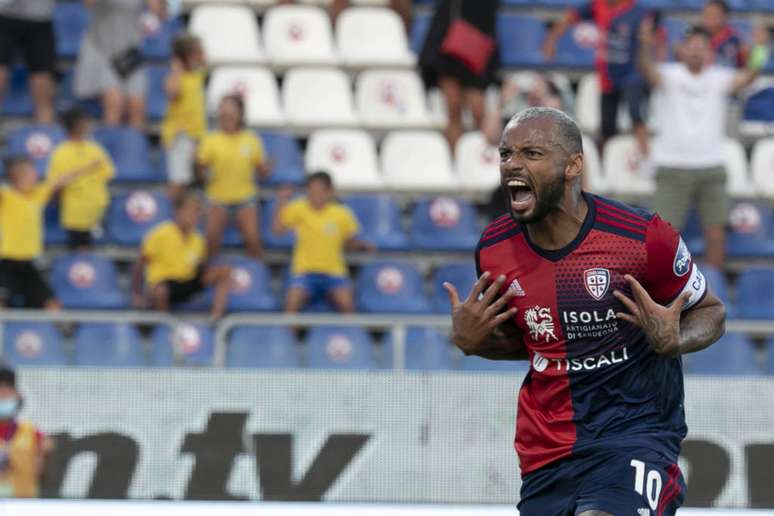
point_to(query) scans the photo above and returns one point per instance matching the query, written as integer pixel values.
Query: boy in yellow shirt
(185, 122)
(323, 228)
(21, 234)
(84, 200)
(173, 260)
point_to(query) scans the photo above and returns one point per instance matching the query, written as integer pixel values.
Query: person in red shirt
(728, 47)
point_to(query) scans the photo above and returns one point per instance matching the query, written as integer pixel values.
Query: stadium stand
(108, 345)
(159, 35)
(520, 39)
(349, 155)
(268, 347)
(70, 22)
(751, 231)
(478, 364)
(390, 287)
(417, 160)
(733, 354)
(132, 214)
(444, 223)
(84, 280)
(380, 222)
(331, 347)
(302, 90)
(130, 152)
(427, 349)
(36, 142)
(477, 163)
(298, 35)
(391, 99)
(372, 36)
(156, 100)
(251, 286)
(753, 294)
(575, 48)
(285, 158)
(33, 344)
(17, 101)
(185, 344)
(229, 33)
(460, 274)
(256, 86)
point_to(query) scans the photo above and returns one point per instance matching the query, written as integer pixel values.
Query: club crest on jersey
(597, 282)
(540, 323)
(682, 263)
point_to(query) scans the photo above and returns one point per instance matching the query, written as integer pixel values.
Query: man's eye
(504, 154)
(532, 154)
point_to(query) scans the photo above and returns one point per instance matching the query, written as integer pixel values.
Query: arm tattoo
(701, 327)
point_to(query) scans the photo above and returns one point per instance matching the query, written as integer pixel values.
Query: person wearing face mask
(23, 447)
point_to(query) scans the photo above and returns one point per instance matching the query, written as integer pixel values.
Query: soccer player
(603, 299)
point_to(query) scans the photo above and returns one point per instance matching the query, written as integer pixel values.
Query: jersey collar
(555, 255)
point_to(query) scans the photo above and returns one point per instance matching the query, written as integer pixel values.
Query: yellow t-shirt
(186, 113)
(84, 200)
(171, 255)
(21, 479)
(21, 222)
(232, 159)
(320, 236)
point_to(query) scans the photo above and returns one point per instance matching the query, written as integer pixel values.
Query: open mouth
(521, 195)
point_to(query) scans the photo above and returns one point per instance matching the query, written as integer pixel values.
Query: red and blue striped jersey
(594, 381)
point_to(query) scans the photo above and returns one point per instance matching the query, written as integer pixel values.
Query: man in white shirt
(691, 99)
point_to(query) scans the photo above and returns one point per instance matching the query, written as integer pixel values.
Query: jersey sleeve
(670, 269)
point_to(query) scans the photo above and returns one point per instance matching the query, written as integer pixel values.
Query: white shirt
(691, 116)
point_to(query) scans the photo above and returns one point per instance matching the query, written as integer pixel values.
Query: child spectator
(323, 228)
(21, 227)
(232, 154)
(83, 201)
(727, 47)
(185, 122)
(173, 258)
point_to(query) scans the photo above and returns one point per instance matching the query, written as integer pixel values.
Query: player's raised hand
(476, 318)
(661, 324)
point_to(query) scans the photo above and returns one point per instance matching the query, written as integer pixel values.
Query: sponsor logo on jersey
(540, 323)
(515, 287)
(643, 512)
(682, 263)
(539, 362)
(590, 363)
(597, 282)
(589, 324)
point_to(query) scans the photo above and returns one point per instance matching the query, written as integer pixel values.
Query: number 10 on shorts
(649, 487)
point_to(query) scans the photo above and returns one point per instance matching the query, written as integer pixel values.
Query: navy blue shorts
(318, 286)
(619, 481)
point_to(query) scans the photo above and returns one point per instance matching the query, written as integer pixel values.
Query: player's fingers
(478, 287)
(503, 317)
(681, 301)
(493, 290)
(495, 307)
(641, 295)
(628, 303)
(454, 297)
(629, 318)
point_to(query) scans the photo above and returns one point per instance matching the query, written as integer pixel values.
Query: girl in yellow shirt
(232, 155)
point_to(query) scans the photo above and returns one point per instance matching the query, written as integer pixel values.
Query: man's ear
(574, 167)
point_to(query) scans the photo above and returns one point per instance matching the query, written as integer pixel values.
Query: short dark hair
(322, 176)
(7, 376)
(72, 117)
(240, 104)
(570, 136)
(697, 30)
(185, 197)
(720, 3)
(184, 44)
(11, 163)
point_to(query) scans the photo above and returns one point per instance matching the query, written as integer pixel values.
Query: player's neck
(560, 227)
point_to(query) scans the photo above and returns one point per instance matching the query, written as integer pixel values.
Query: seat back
(390, 287)
(302, 90)
(285, 156)
(132, 214)
(625, 169)
(70, 21)
(156, 100)
(427, 349)
(753, 294)
(577, 47)
(229, 33)
(519, 40)
(159, 34)
(108, 345)
(372, 36)
(762, 164)
(733, 354)
(251, 286)
(84, 280)
(444, 223)
(184, 344)
(298, 35)
(130, 152)
(331, 347)
(349, 155)
(380, 221)
(33, 344)
(258, 88)
(37, 142)
(390, 99)
(417, 160)
(460, 274)
(478, 163)
(262, 347)
(751, 230)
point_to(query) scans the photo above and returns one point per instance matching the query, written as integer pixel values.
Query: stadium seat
(298, 35)
(751, 231)
(262, 347)
(460, 274)
(54, 233)
(132, 214)
(733, 354)
(229, 33)
(332, 347)
(420, 24)
(520, 40)
(478, 163)
(417, 160)
(258, 88)
(592, 167)
(372, 36)
(738, 183)
(270, 240)
(284, 152)
(587, 109)
(390, 287)
(159, 34)
(391, 99)
(70, 21)
(33, 344)
(753, 294)
(444, 223)
(251, 286)
(349, 155)
(477, 364)
(692, 233)
(576, 48)
(108, 345)
(380, 221)
(304, 89)
(624, 168)
(675, 29)
(184, 344)
(16, 100)
(718, 284)
(84, 280)
(36, 142)
(759, 107)
(156, 100)
(130, 152)
(762, 165)
(427, 349)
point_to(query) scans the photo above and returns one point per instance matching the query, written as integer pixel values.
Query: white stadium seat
(256, 3)
(587, 106)
(348, 154)
(626, 172)
(417, 160)
(257, 86)
(762, 164)
(318, 97)
(372, 36)
(592, 169)
(371, 2)
(392, 99)
(738, 183)
(229, 33)
(436, 108)
(478, 163)
(298, 35)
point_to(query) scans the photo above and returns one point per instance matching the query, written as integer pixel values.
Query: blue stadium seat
(17, 101)
(252, 286)
(478, 364)
(331, 347)
(285, 157)
(108, 345)
(659, 4)
(420, 24)
(55, 234)
(36, 142)
(185, 344)
(675, 30)
(270, 240)
(262, 347)
(390, 287)
(84, 280)
(718, 284)
(461, 275)
(759, 107)
(751, 231)
(70, 22)
(427, 349)
(559, 3)
(156, 99)
(520, 40)
(132, 214)
(576, 48)
(692, 233)
(33, 344)
(744, 27)
(733, 354)
(157, 43)
(130, 152)
(444, 223)
(379, 218)
(753, 294)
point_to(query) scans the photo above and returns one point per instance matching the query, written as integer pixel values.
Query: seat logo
(597, 282)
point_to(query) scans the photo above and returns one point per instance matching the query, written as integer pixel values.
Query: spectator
(688, 149)
(185, 122)
(26, 27)
(109, 62)
(232, 154)
(460, 84)
(173, 260)
(24, 449)
(21, 226)
(727, 47)
(323, 229)
(83, 201)
(617, 22)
